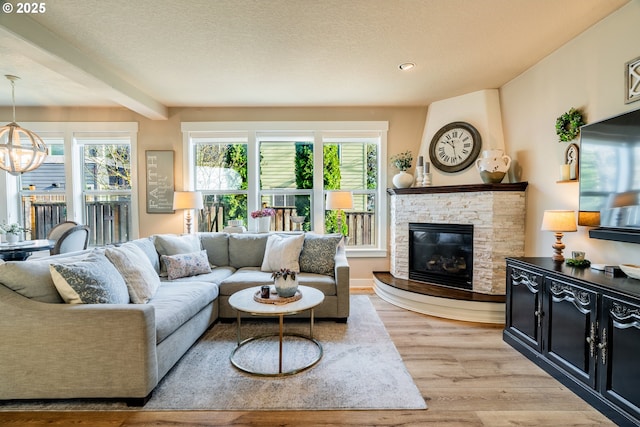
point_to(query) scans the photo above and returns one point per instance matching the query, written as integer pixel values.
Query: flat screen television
(609, 174)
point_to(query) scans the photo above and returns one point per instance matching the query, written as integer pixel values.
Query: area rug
(360, 369)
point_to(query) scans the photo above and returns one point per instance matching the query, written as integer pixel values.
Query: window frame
(74, 193)
(320, 130)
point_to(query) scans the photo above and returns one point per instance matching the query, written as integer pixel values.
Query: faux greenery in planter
(402, 161)
(568, 125)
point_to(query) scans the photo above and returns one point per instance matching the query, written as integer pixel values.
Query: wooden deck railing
(361, 224)
(109, 222)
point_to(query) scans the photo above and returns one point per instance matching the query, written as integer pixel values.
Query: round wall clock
(455, 147)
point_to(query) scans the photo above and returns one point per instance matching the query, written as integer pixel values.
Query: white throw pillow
(282, 252)
(136, 270)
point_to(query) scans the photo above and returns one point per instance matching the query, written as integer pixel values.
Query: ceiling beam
(41, 45)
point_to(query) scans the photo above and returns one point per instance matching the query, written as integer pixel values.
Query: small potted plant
(286, 282)
(402, 161)
(13, 231)
(263, 216)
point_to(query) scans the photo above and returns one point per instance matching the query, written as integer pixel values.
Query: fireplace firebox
(441, 254)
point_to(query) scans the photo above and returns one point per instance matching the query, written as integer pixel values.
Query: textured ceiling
(148, 55)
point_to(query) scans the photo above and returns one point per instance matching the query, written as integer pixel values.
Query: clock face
(455, 147)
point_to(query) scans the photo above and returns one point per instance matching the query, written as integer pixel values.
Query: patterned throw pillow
(136, 270)
(282, 252)
(318, 253)
(171, 244)
(185, 265)
(93, 280)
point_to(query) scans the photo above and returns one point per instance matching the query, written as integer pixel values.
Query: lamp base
(558, 247)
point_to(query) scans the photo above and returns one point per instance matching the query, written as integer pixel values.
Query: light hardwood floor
(467, 374)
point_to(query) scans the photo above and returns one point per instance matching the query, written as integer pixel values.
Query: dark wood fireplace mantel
(467, 188)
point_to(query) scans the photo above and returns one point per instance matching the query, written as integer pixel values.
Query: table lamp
(338, 200)
(187, 200)
(559, 222)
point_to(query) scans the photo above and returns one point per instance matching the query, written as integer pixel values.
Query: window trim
(73, 168)
(320, 132)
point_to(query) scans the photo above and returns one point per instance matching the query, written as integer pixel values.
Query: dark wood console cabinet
(580, 326)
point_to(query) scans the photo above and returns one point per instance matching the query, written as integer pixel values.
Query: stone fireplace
(496, 214)
(496, 211)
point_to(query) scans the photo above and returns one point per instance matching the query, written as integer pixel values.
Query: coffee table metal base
(281, 334)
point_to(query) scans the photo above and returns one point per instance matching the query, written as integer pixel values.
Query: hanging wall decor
(159, 181)
(632, 80)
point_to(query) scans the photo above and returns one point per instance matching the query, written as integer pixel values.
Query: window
(42, 190)
(87, 177)
(244, 166)
(220, 173)
(106, 186)
(353, 163)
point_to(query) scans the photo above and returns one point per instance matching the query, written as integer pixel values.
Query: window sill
(365, 253)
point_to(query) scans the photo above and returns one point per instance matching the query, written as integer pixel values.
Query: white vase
(402, 180)
(286, 287)
(264, 224)
(493, 166)
(12, 238)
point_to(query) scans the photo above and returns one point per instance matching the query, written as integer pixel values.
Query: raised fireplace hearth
(496, 215)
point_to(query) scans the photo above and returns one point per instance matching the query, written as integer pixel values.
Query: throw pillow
(93, 280)
(185, 265)
(282, 252)
(136, 270)
(171, 244)
(318, 253)
(246, 250)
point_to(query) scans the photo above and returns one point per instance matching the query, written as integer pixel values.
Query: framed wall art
(632, 80)
(159, 181)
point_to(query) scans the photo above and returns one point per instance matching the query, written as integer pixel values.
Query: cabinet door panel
(524, 305)
(620, 353)
(571, 325)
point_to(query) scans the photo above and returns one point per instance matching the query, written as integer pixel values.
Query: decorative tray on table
(274, 298)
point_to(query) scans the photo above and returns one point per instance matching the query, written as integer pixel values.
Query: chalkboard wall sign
(159, 181)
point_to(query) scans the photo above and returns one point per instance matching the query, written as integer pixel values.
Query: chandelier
(20, 149)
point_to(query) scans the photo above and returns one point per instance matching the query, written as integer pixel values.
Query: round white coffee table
(243, 301)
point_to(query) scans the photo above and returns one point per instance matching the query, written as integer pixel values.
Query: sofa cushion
(217, 247)
(177, 302)
(252, 277)
(32, 278)
(171, 244)
(185, 265)
(243, 278)
(318, 253)
(247, 250)
(217, 275)
(149, 249)
(282, 252)
(93, 280)
(135, 268)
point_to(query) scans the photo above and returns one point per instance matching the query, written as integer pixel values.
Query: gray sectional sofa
(50, 349)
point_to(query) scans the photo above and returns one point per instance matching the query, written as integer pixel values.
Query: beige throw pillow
(282, 252)
(136, 269)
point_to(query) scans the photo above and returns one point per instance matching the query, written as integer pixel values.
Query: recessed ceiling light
(406, 66)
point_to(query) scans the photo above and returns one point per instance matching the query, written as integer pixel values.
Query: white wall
(586, 73)
(481, 109)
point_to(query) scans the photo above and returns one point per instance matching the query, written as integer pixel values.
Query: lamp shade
(339, 200)
(187, 200)
(559, 221)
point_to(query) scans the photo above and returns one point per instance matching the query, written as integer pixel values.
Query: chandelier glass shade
(20, 149)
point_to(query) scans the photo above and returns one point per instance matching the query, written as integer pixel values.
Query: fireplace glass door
(441, 254)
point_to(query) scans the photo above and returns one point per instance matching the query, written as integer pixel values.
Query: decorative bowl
(631, 270)
(236, 223)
